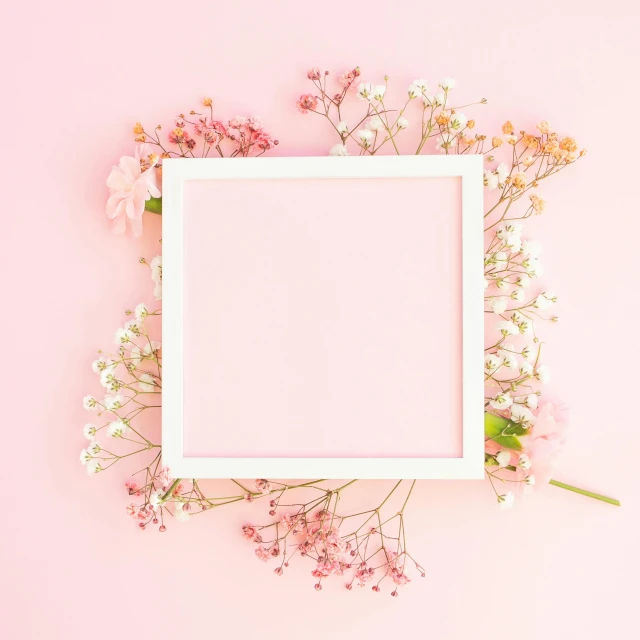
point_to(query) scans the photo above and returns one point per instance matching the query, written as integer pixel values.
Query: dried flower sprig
(134, 185)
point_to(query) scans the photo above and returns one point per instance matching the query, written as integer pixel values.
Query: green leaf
(154, 205)
(503, 432)
(508, 442)
(494, 425)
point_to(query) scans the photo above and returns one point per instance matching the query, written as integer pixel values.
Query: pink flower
(347, 78)
(129, 189)
(287, 522)
(544, 444)
(262, 485)
(306, 102)
(265, 141)
(132, 487)
(364, 574)
(237, 122)
(251, 533)
(164, 477)
(262, 553)
(132, 510)
(313, 74)
(399, 577)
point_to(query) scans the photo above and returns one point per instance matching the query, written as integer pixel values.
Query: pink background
(77, 75)
(323, 326)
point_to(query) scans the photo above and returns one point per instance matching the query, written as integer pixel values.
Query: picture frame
(180, 172)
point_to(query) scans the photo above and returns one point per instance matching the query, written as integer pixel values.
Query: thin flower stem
(584, 492)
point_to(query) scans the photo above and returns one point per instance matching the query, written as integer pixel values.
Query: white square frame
(176, 171)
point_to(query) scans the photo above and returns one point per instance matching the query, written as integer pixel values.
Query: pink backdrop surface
(77, 75)
(312, 324)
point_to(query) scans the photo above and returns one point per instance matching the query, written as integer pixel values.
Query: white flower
(446, 141)
(501, 401)
(402, 123)
(502, 172)
(528, 351)
(524, 462)
(85, 456)
(506, 500)
(342, 127)
(421, 84)
(543, 374)
(141, 311)
(102, 364)
(523, 281)
(517, 294)
(503, 458)
(521, 415)
(109, 381)
(525, 325)
(123, 336)
(156, 499)
(530, 480)
(365, 137)
(500, 260)
(93, 466)
(117, 429)
(507, 328)
(375, 123)
(414, 91)
(498, 304)
(151, 348)
(339, 150)
(134, 326)
(94, 448)
(458, 121)
(448, 83)
(490, 179)
(156, 276)
(181, 512)
(90, 403)
(378, 91)
(526, 369)
(89, 431)
(551, 297)
(112, 402)
(491, 362)
(531, 401)
(541, 302)
(146, 382)
(509, 359)
(365, 91)
(531, 248)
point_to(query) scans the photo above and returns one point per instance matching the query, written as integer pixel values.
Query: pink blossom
(347, 78)
(251, 533)
(313, 74)
(334, 544)
(132, 510)
(129, 189)
(325, 568)
(265, 141)
(307, 102)
(164, 477)
(262, 553)
(237, 122)
(254, 124)
(287, 522)
(364, 574)
(132, 487)
(399, 577)
(262, 485)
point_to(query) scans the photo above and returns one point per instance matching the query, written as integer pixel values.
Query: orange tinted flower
(507, 128)
(496, 141)
(568, 144)
(138, 129)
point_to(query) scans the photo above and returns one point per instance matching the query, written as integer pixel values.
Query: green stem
(589, 494)
(171, 488)
(154, 205)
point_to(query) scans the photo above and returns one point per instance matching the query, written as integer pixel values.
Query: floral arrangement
(523, 434)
